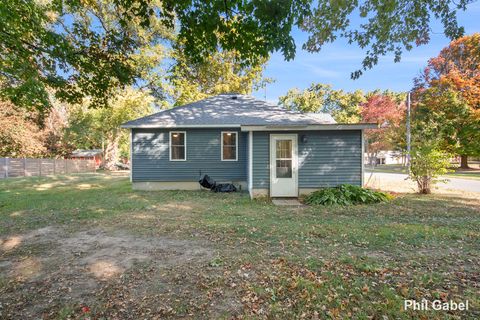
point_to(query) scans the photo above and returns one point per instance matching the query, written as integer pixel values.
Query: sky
(334, 63)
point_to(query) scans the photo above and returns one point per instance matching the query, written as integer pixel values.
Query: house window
(178, 146)
(229, 146)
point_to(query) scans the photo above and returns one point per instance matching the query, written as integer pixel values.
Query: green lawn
(87, 245)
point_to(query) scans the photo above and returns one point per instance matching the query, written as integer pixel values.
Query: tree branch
(226, 9)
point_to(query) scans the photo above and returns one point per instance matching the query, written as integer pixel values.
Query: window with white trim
(178, 146)
(229, 146)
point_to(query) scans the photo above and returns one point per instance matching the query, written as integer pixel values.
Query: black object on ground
(209, 183)
(224, 187)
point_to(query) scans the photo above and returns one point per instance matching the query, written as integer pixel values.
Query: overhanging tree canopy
(78, 48)
(83, 48)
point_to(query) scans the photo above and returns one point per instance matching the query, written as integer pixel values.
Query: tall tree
(94, 127)
(19, 135)
(309, 100)
(444, 116)
(390, 114)
(343, 106)
(455, 69)
(73, 47)
(54, 126)
(221, 72)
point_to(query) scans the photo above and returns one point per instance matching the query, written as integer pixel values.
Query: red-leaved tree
(390, 114)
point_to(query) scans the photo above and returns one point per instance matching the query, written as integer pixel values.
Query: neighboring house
(385, 157)
(94, 154)
(261, 147)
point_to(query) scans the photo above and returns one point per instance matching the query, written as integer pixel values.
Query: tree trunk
(464, 162)
(111, 153)
(424, 185)
(373, 159)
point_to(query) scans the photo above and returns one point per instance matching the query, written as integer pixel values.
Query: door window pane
(284, 149)
(284, 168)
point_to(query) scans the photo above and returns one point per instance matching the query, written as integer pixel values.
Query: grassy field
(88, 246)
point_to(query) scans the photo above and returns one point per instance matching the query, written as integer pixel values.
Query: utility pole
(409, 136)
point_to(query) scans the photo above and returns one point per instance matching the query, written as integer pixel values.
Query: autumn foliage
(447, 97)
(19, 135)
(390, 114)
(457, 67)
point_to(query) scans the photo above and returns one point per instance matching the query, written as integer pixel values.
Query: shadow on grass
(409, 220)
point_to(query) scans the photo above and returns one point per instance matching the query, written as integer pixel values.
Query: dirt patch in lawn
(49, 267)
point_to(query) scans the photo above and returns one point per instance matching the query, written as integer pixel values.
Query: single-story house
(93, 154)
(261, 147)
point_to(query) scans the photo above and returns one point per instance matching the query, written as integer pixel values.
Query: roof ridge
(222, 109)
(171, 109)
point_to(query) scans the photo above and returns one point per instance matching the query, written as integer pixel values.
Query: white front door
(283, 165)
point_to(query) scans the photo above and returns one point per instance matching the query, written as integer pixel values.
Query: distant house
(261, 147)
(385, 157)
(95, 154)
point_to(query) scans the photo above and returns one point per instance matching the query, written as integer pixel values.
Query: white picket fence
(28, 167)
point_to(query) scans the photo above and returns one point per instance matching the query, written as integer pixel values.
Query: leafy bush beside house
(346, 195)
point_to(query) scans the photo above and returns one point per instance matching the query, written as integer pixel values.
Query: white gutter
(193, 126)
(333, 126)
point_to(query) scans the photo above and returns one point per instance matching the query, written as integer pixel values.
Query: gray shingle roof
(228, 109)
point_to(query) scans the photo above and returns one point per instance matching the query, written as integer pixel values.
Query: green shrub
(427, 164)
(346, 195)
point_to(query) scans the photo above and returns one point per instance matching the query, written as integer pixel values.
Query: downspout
(131, 155)
(363, 160)
(250, 163)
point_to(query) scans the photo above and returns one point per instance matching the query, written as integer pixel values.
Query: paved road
(398, 179)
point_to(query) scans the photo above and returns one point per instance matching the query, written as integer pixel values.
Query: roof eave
(279, 127)
(310, 127)
(156, 126)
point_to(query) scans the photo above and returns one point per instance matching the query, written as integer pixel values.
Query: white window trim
(236, 145)
(184, 143)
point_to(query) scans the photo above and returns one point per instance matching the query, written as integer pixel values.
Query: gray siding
(328, 158)
(261, 160)
(151, 156)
